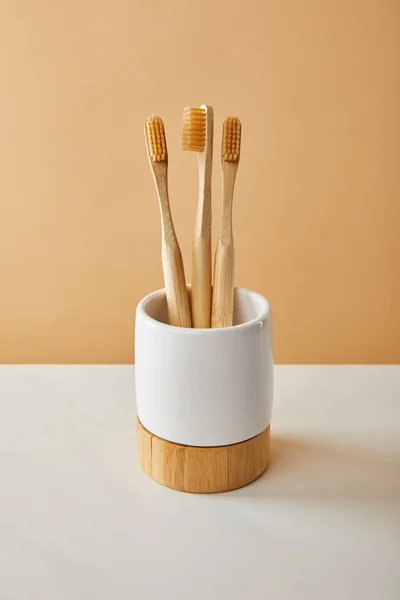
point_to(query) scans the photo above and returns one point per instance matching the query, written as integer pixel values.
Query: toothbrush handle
(175, 285)
(201, 281)
(222, 301)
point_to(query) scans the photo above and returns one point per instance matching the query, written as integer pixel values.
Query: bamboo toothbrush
(174, 275)
(197, 135)
(222, 302)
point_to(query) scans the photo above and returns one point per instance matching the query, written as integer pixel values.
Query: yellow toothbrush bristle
(194, 129)
(156, 139)
(231, 139)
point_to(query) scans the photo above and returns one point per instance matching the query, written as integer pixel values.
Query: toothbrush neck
(226, 236)
(228, 183)
(168, 231)
(203, 218)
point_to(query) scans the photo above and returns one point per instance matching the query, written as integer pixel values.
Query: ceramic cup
(204, 387)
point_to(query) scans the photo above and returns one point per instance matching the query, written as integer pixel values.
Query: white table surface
(79, 520)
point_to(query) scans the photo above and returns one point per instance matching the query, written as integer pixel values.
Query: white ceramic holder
(204, 396)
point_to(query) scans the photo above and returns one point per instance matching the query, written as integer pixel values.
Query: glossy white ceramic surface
(204, 387)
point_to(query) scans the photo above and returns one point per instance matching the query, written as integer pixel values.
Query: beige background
(316, 84)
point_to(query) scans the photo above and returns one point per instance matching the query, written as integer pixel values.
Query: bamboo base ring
(202, 470)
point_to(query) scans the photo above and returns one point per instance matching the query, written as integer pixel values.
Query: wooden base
(202, 470)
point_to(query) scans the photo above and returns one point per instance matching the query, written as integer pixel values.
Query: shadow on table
(303, 469)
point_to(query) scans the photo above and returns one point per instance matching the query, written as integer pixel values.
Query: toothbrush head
(194, 129)
(230, 148)
(155, 136)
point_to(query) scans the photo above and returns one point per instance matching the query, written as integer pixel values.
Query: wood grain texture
(201, 245)
(202, 470)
